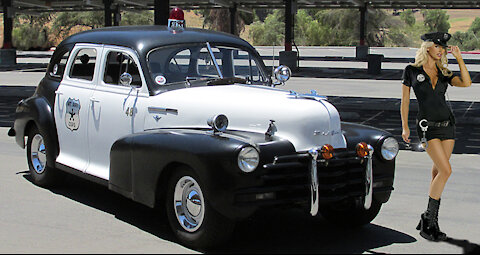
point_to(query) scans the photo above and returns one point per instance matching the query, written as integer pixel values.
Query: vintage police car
(189, 120)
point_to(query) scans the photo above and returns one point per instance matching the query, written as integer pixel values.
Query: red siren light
(176, 20)
(176, 13)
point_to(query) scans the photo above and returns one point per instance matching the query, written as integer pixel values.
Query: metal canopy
(35, 6)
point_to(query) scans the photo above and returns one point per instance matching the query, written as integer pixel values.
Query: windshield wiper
(226, 81)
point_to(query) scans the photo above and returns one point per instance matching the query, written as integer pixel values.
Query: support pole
(233, 19)
(363, 23)
(288, 24)
(362, 49)
(7, 24)
(162, 12)
(289, 57)
(108, 12)
(117, 16)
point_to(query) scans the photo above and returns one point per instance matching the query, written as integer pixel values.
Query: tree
(219, 20)
(65, 22)
(30, 32)
(465, 40)
(270, 32)
(135, 18)
(475, 27)
(436, 20)
(408, 17)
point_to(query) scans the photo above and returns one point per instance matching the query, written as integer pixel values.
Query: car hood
(306, 122)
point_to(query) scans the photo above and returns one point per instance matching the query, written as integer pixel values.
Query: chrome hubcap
(189, 204)
(38, 154)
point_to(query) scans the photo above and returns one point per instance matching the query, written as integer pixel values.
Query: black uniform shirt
(431, 102)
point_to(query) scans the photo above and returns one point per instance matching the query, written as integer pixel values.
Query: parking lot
(82, 217)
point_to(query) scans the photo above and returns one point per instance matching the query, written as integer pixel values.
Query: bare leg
(440, 153)
(448, 148)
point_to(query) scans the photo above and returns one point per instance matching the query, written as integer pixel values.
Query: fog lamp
(327, 151)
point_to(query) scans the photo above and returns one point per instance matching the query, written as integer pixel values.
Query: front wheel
(42, 175)
(351, 216)
(195, 223)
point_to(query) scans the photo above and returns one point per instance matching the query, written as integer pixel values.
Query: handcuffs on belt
(423, 140)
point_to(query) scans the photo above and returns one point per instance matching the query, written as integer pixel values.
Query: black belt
(445, 123)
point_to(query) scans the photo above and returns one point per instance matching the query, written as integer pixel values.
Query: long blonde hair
(421, 59)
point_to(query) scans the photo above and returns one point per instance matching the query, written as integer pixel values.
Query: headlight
(248, 159)
(389, 148)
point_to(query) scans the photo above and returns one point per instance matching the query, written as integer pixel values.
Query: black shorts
(442, 133)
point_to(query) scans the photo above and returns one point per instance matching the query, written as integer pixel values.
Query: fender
(140, 164)
(383, 170)
(38, 110)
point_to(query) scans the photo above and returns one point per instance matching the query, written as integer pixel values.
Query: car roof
(144, 38)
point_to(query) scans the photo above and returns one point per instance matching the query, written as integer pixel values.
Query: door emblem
(72, 117)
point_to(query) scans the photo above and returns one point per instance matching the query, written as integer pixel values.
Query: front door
(114, 112)
(72, 101)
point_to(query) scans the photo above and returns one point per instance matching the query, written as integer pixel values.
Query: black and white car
(190, 121)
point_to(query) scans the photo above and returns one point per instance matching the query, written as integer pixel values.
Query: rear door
(72, 103)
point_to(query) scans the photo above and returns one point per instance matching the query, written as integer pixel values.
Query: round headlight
(389, 148)
(248, 159)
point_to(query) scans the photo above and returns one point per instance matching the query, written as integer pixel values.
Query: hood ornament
(271, 129)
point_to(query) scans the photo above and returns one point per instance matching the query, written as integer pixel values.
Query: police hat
(439, 38)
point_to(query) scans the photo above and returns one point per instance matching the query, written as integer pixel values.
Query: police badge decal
(72, 119)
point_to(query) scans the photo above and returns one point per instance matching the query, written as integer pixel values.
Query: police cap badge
(439, 38)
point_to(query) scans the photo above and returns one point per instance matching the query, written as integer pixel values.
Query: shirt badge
(420, 78)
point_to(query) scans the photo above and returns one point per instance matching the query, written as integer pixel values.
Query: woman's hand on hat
(455, 51)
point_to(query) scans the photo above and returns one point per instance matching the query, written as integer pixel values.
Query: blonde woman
(429, 77)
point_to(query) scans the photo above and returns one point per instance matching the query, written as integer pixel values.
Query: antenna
(273, 58)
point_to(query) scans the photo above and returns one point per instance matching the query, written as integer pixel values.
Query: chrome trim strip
(214, 60)
(314, 182)
(369, 180)
(161, 110)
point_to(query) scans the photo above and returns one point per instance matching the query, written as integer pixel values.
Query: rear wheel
(37, 152)
(195, 223)
(351, 215)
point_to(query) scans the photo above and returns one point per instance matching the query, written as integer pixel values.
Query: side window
(117, 64)
(57, 68)
(246, 67)
(84, 64)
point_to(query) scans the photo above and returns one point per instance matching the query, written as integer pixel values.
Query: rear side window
(57, 67)
(84, 64)
(117, 64)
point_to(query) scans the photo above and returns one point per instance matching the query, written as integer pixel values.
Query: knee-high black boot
(428, 225)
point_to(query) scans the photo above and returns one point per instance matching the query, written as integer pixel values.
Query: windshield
(194, 64)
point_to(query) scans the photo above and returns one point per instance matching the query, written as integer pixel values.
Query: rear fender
(36, 110)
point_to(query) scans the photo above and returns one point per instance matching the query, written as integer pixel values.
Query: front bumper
(308, 180)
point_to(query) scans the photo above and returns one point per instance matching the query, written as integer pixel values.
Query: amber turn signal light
(327, 151)
(362, 149)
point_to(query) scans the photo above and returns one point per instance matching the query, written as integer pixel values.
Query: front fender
(38, 110)
(139, 162)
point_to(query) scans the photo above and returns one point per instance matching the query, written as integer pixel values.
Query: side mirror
(126, 79)
(282, 74)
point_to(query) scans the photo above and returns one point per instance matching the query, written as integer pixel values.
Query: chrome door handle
(94, 100)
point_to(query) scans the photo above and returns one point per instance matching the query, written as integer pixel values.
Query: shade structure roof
(35, 6)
